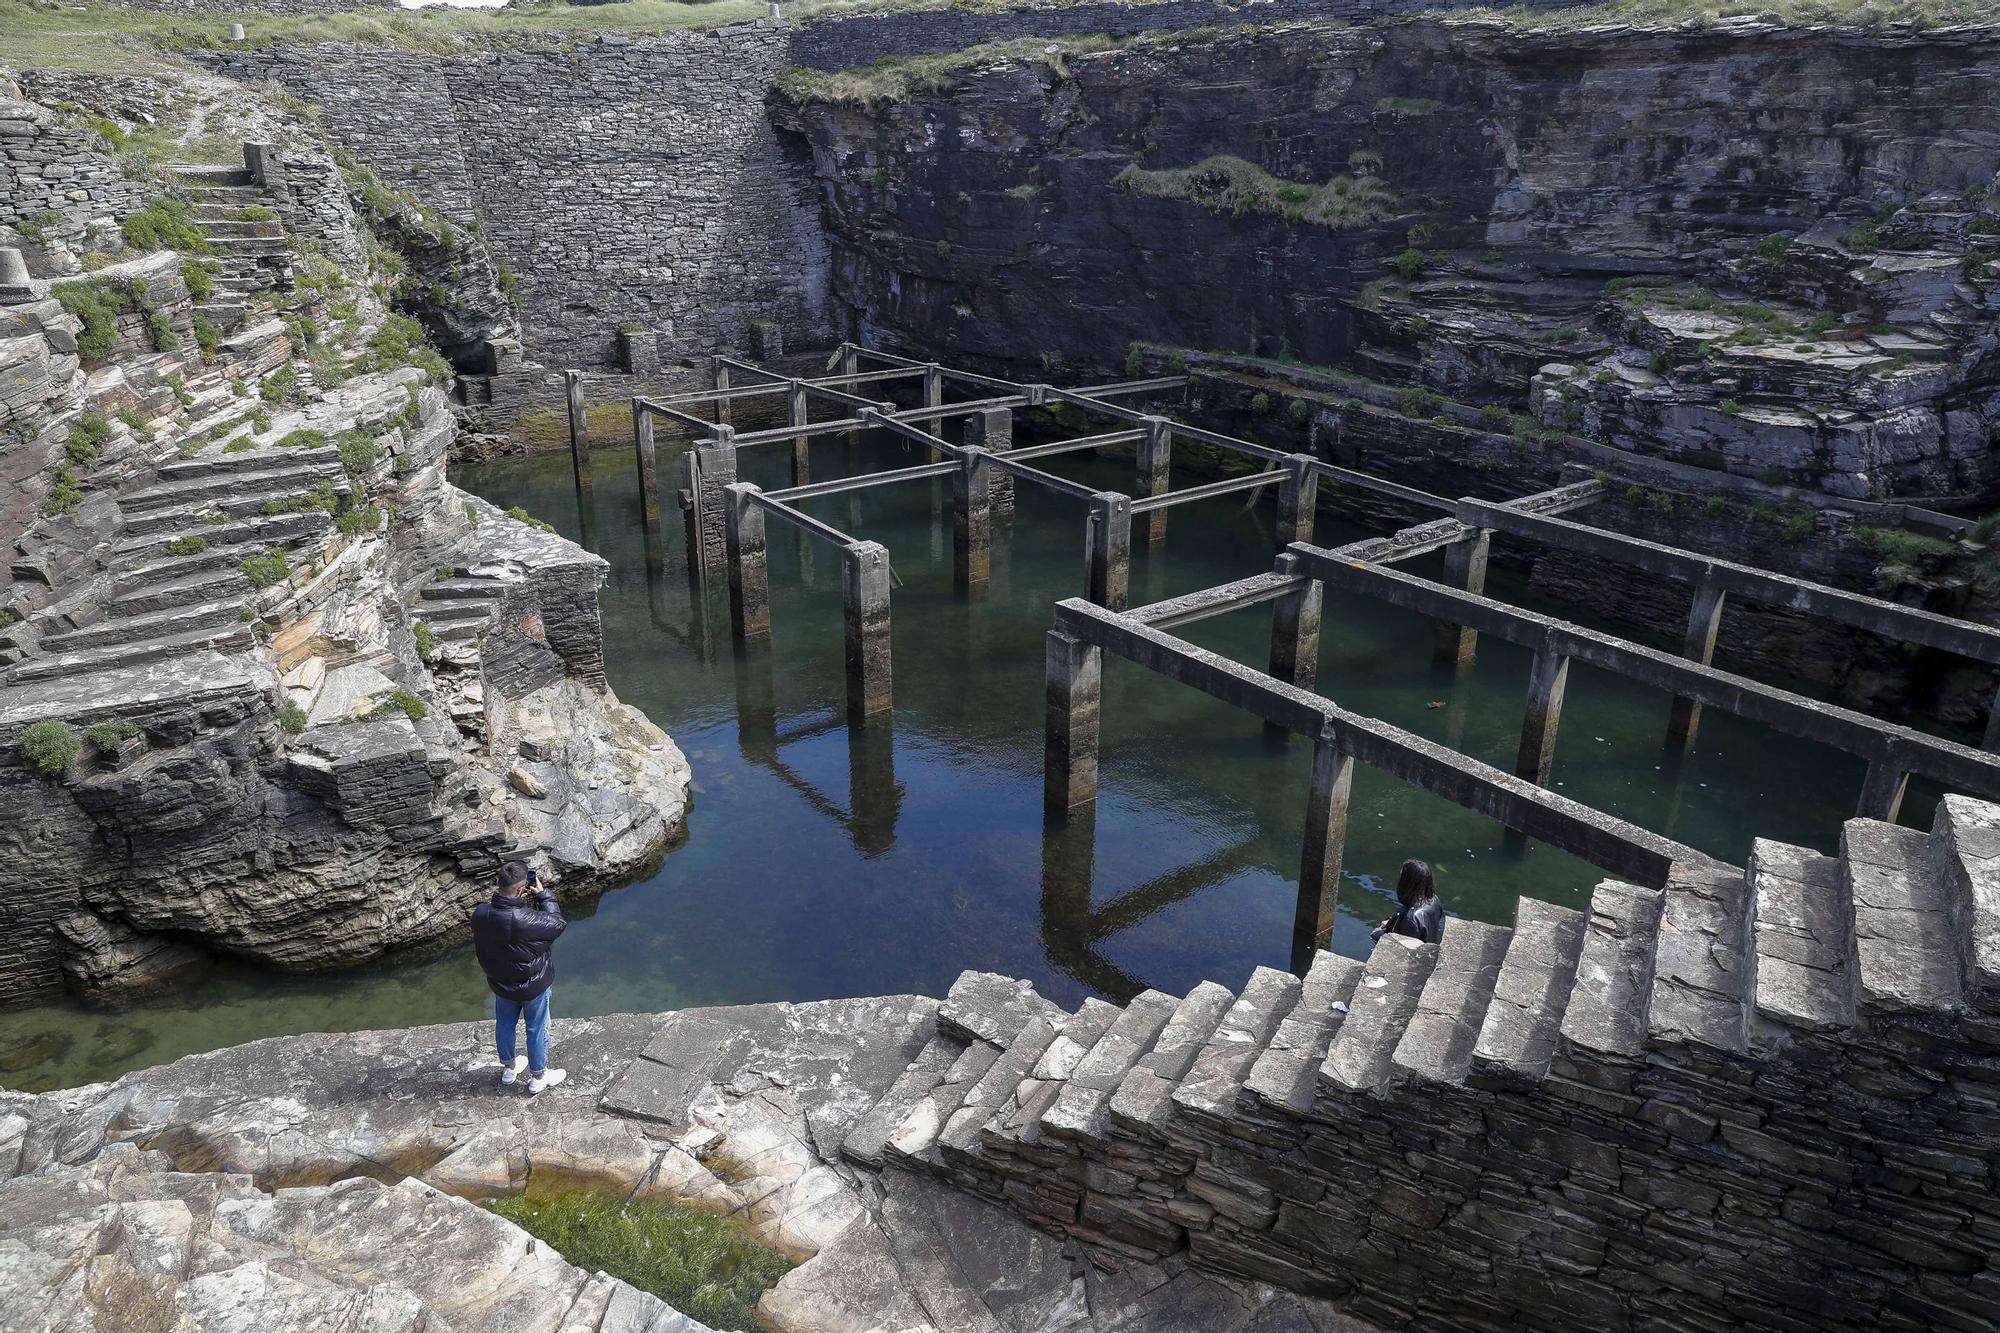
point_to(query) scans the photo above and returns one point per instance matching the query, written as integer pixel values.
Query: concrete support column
(721, 383)
(864, 597)
(1991, 741)
(1326, 839)
(749, 569)
(993, 430)
(850, 364)
(1704, 619)
(1108, 566)
(1298, 500)
(933, 394)
(1546, 683)
(1295, 630)
(1074, 696)
(579, 442)
(714, 464)
(1464, 568)
(801, 444)
(1882, 790)
(648, 465)
(972, 522)
(1156, 452)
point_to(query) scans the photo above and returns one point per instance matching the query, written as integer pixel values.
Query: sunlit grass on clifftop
(1671, 14)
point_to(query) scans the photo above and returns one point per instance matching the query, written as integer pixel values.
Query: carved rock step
(91, 660)
(1218, 1073)
(134, 629)
(1614, 973)
(1908, 924)
(274, 530)
(207, 177)
(980, 1006)
(439, 613)
(276, 475)
(252, 461)
(1530, 994)
(867, 1139)
(960, 1137)
(1145, 1096)
(1081, 1109)
(1437, 1043)
(1359, 1058)
(1017, 1124)
(1804, 935)
(915, 1136)
(1704, 969)
(453, 589)
(1287, 1073)
(1965, 856)
(219, 579)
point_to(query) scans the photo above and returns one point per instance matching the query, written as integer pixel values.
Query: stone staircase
(1138, 1130)
(162, 599)
(253, 253)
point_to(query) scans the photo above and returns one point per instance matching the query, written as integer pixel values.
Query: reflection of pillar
(1295, 629)
(993, 429)
(864, 593)
(972, 522)
(1155, 450)
(1325, 840)
(756, 709)
(1069, 848)
(1464, 568)
(874, 800)
(749, 570)
(1298, 500)
(1073, 696)
(649, 474)
(1546, 683)
(1882, 790)
(801, 414)
(1704, 619)
(1108, 569)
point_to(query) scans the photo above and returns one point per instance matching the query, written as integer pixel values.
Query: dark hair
(513, 875)
(1416, 885)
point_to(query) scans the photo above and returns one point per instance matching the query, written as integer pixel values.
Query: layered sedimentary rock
(1784, 275)
(269, 684)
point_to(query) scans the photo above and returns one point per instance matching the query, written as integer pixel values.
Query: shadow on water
(824, 860)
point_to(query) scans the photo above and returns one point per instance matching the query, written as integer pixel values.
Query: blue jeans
(506, 1013)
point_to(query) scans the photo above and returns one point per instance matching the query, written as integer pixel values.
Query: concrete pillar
(1073, 697)
(801, 444)
(864, 596)
(1704, 619)
(1465, 569)
(933, 394)
(1295, 630)
(579, 451)
(714, 471)
(1546, 682)
(993, 429)
(721, 383)
(1298, 500)
(1155, 451)
(15, 284)
(1108, 566)
(749, 568)
(1326, 839)
(1991, 741)
(648, 464)
(1882, 790)
(972, 522)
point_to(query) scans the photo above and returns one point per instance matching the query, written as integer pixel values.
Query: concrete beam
(1220, 599)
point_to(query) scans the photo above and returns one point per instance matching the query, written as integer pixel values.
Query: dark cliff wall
(1608, 151)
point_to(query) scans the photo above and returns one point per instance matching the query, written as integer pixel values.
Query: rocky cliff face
(269, 684)
(1745, 247)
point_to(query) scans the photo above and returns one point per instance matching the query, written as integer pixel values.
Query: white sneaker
(511, 1072)
(548, 1079)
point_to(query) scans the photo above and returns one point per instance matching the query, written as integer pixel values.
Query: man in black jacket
(512, 934)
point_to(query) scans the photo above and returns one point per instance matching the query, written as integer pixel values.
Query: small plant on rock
(292, 718)
(110, 735)
(265, 570)
(427, 640)
(187, 546)
(50, 747)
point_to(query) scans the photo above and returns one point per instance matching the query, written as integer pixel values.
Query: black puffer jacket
(512, 937)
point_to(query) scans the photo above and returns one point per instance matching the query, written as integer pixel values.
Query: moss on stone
(1232, 185)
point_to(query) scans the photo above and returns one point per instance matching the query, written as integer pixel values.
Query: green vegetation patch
(166, 224)
(50, 747)
(1893, 546)
(1232, 185)
(705, 1266)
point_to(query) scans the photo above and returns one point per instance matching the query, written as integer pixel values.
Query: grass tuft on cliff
(1232, 185)
(705, 1266)
(1708, 13)
(900, 78)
